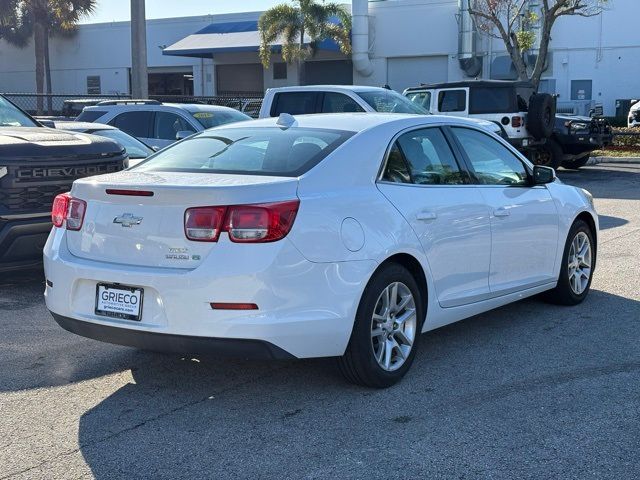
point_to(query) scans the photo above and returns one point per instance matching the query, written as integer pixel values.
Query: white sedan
(340, 235)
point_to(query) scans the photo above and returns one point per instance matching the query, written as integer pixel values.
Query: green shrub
(622, 140)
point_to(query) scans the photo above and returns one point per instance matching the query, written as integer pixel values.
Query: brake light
(258, 223)
(203, 224)
(516, 121)
(68, 209)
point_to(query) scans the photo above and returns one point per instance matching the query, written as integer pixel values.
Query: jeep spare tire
(542, 115)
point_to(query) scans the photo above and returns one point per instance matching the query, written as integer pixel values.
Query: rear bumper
(183, 344)
(22, 241)
(306, 309)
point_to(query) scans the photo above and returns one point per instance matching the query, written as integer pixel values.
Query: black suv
(528, 119)
(36, 164)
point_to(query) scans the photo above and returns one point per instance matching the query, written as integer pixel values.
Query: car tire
(575, 277)
(548, 155)
(577, 163)
(542, 115)
(382, 347)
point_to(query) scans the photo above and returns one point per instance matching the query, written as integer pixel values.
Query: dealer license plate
(119, 301)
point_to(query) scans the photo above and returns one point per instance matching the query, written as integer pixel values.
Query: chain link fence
(70, 106)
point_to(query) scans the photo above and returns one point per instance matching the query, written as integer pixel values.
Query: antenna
(285, 120)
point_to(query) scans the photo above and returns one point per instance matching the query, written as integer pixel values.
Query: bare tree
(513, 22)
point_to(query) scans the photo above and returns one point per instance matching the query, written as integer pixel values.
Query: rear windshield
(90, 115)
(249, 151)
(492, 100)
(388, 101)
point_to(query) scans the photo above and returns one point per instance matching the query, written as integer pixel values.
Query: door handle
(426, 215)
(501, 212)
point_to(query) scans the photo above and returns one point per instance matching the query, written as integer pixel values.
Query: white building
(409, 42)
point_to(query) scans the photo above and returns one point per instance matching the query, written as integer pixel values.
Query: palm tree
(42, 19)
(290, 24)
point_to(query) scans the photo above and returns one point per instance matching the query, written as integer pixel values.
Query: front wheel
(577, 163)
(386, 331)
(578, 263)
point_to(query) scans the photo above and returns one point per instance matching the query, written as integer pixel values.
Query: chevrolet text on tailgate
(36, 164)
(344, 235)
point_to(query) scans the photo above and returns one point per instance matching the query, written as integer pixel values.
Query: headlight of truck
(579, 126)
(589, 197)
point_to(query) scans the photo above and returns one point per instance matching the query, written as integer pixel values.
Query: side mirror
(183, 134)
(47, 123)
(155, 148)
(543, 175)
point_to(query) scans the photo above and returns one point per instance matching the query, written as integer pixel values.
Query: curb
(598, 160)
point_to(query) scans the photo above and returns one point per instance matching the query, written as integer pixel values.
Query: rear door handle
(501, 212)
(426, 216)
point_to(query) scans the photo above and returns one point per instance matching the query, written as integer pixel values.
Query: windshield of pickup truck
(389, 101)
(11, 116)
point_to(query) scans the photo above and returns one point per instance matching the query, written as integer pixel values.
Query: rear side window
(452, 101)
(249, 151)
(492, 100)
(428, 158)
(136, 124)
(295, 103)
(339, 103)
(90, 115)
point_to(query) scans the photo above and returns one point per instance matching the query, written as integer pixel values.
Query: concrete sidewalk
(597, 160)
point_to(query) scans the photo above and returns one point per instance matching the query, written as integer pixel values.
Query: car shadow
(202, 417)
(610, 181)
(606, 222)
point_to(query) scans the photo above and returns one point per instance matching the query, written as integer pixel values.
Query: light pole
(139, 79)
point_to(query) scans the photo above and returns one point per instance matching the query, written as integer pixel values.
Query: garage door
(240, 78)
(329, 72)
(412, 71)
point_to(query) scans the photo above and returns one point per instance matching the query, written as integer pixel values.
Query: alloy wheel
(393, 326)
(579, 263)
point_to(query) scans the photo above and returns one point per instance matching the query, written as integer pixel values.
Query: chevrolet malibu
(343, 235)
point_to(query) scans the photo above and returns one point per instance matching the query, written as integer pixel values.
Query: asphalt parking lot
(527, 391)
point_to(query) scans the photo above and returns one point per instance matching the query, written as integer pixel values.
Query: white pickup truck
(342, 98)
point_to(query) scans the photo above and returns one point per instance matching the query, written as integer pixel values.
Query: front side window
(249, 151)
(422, 99)
(136, 124)
(388, 101)
(166, 126)
(423, 157)
(492, 162)
(452, 101)
(11, 116)
(339, 103)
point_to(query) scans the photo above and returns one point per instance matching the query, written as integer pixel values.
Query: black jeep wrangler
(527, 119)
(36, 164)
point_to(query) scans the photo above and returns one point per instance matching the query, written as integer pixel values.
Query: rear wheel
(386, 331)
(578, 263)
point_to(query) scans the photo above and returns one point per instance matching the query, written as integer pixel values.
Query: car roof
(82, 126)
(356, 122)
(336, 88)
(473, 83)
(189, 107)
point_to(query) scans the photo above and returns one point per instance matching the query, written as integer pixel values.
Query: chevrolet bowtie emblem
(128, 220)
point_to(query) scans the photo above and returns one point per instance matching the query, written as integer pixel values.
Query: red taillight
(59, 209)
(68, 209)
(203, 224)
(266, 222)
(516, 121)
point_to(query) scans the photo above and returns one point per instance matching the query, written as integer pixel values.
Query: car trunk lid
(137, 218)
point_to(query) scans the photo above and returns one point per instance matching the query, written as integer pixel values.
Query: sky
(119, 10)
